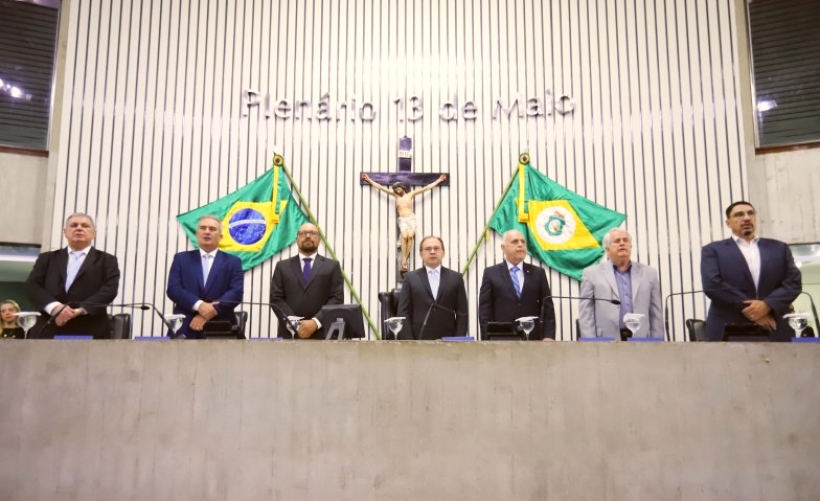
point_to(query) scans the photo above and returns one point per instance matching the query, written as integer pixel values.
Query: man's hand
(64, 316)
(767, 322)
(306, 328)
(442, 178)
(366, 177)
(549, 339)
(755, 309)
(207, 310)
(198, 323)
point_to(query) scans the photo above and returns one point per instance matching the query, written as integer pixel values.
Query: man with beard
(301, 285)
(749, 279)
(72, 285)
(406, 220)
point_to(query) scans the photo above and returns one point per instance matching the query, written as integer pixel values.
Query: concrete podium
(241, 420)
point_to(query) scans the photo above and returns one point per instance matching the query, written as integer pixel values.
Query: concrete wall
(23, 178)
(397, 421)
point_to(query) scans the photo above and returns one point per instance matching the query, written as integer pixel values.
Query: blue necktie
(434, 282)
(73, 268)
(206, 267)
(516, 283)
(306, 269)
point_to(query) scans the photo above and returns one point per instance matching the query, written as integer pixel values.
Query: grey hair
(210, 216)
(608, 237)
(80, 214)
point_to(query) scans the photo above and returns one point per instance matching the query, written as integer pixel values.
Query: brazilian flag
(563, 229)
(259, 220)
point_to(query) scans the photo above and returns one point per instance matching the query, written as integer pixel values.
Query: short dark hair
(399, 184)
(735, 204)
(421, 244)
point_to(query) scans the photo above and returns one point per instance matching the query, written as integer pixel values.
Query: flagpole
(330, 251)
(487, 228)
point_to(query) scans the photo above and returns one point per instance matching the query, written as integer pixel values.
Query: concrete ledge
(258, 420)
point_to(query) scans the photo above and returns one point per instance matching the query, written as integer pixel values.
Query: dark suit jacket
(291, 296)
(416, 296)
(497, 301)
(95, 286)
(728, 282)
(226, 284)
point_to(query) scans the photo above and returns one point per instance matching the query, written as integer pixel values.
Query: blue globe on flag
(247, 226)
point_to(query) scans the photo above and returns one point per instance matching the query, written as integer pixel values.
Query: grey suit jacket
(602, 316)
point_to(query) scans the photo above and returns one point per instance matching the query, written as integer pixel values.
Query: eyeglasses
(308, 233)
(432, 249)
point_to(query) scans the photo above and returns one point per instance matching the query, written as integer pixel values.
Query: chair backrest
(241, 320)
(389, 302)
(694, 327)
(120, 326)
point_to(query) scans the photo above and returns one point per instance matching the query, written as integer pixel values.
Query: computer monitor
(746, 333)
(221, 329)
(342, 321)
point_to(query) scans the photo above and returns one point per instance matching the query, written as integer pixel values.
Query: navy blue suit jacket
(497, 301)
(225, 284)
(728, 282)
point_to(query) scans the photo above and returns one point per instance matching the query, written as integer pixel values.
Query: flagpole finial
(278, 160)
(524, 158)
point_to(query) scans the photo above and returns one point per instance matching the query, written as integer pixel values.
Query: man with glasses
(301, 285)
(749, 279)
(433, 284)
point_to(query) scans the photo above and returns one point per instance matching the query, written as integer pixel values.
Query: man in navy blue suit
(749, 279)
(205, 284)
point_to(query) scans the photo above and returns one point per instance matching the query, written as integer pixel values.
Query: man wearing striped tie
(513, 289)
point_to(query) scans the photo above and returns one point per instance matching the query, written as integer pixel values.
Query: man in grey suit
(430, 284)
(634, 286)
(301, 285)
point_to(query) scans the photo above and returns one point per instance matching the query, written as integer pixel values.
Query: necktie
(206, 267)
(434, 282)
(516, 283)
(73, 268)
(306, 269)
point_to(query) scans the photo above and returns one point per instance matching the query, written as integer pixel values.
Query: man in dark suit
(301, 285)
(432, 284)
(749, 279)
(74, 284)
(515, 289)
(205, 284)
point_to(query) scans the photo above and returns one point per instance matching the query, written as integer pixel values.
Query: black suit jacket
(95, 286)
(416, 296)
(291, 296)
(728, 282)
(497, 301)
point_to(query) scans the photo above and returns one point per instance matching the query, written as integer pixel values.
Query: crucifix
(399, 185)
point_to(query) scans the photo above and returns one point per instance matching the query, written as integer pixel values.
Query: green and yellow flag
(259, 220)
(563, 229)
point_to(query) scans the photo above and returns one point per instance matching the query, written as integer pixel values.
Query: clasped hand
(759, 312)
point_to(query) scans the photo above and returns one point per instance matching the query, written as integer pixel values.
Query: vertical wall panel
(153, 125)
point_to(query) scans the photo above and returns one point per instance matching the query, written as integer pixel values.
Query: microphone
(666, 306)
(144, 306)
(50, 319)
(614, 301)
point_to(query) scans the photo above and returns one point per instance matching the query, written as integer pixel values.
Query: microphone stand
(814, 312)
(50, 319)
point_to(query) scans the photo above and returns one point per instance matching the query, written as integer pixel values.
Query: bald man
(301, 285)
(515, 289)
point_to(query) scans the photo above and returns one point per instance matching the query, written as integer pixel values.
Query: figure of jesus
(406, 221)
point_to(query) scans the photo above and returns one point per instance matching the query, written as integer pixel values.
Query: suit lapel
(609, 276)
(426, 282)
(739, 257)
(637, 275)
(316, 266)
(506, 276)
(296, 268)
(87, 263)
(212, 273)
(61, 263)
